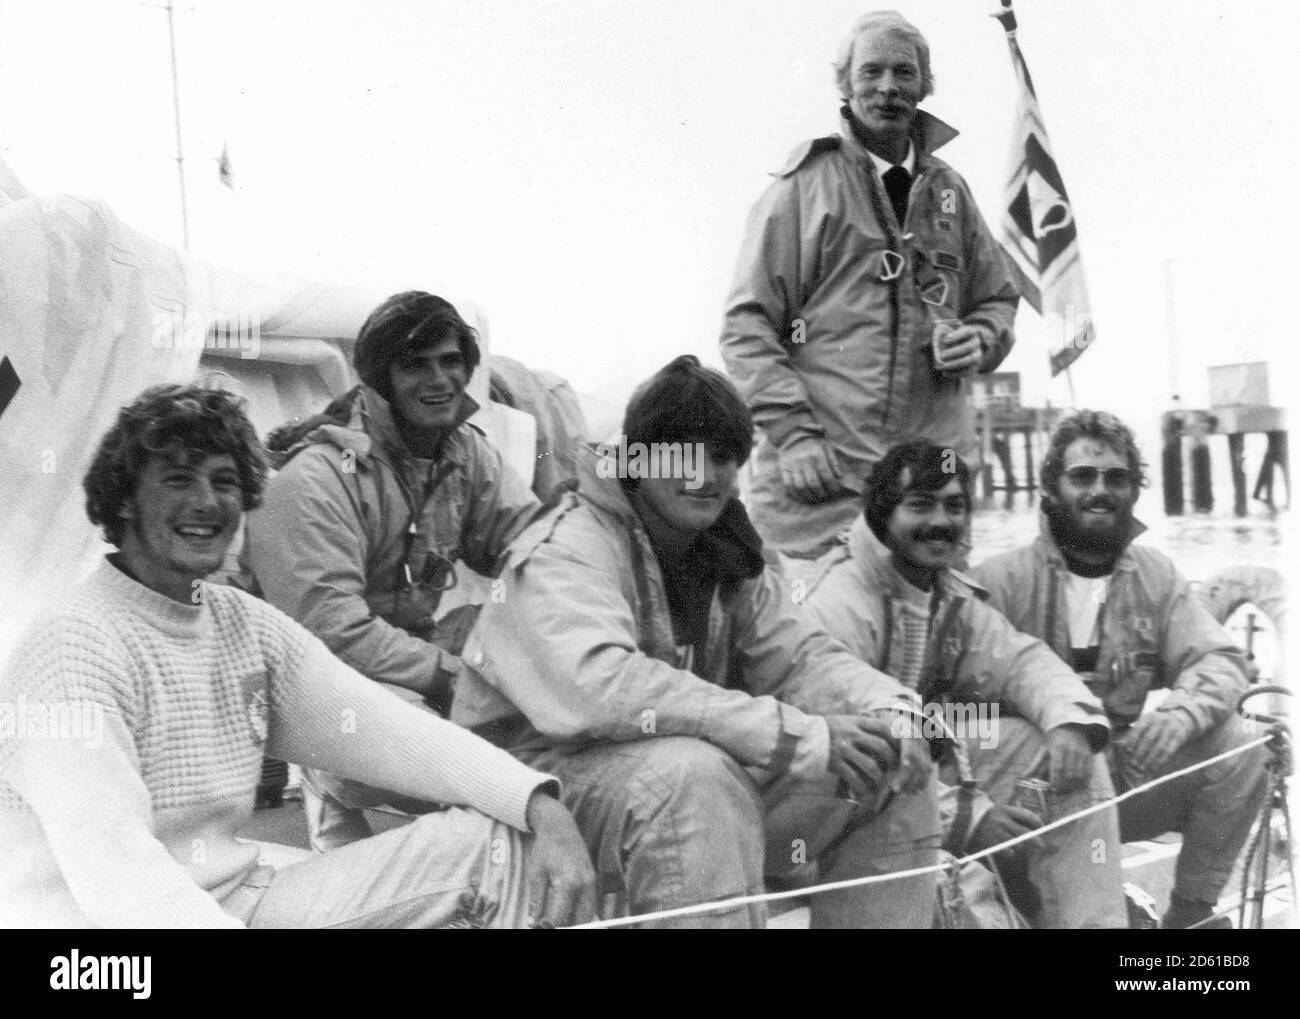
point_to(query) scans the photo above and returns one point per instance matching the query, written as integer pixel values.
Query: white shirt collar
(884, 165)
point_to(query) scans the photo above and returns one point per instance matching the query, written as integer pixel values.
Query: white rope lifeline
(899, 875)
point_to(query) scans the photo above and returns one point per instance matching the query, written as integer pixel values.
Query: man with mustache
(1121, 615)
(890, 593)
(867, 286)
(643, 649)
(194, 682)
(370, 511)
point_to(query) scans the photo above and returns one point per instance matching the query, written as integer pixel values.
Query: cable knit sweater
(132, 729)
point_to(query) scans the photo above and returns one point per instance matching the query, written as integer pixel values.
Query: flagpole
(1038, 233)
(1006, 17)
(176, 108)
(1171, 328)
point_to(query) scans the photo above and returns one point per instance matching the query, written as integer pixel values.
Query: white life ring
(1261, 586)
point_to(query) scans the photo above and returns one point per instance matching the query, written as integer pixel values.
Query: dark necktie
(898, 182)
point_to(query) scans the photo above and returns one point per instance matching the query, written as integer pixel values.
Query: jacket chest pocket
(1133, 668)
(1141, 669)
(1135, 640)
(1124, 684)
(937, 278)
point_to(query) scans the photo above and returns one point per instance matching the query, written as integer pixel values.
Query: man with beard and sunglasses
(1121, 615)
(891, 593)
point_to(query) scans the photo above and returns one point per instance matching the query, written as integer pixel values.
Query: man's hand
(562, 883)
(1001, 824)
(1154, 738)
(861, 752)
(963, 350)
(1281, 747)
(1069, 758)
(810, 471)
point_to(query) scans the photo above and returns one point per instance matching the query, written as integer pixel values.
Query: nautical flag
(224, 173)
(1037, 229)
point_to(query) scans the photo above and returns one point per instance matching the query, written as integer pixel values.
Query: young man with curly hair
(188, 684)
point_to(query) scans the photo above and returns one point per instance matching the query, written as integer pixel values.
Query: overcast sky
(584, 168)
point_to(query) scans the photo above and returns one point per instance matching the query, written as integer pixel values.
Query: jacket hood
(730, 546)
(370, 421)
(872, 558)
(599, 484)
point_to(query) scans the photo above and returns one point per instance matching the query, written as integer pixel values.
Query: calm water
(1200, 544)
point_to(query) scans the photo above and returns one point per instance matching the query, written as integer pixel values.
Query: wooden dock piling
(1239, 405)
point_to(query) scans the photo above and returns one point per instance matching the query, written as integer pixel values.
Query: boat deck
(1150, 865)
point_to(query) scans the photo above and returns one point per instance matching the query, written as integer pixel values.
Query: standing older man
(867, 286)
(1121, 615)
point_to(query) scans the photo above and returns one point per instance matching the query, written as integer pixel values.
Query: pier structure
(1002, 424)
(1239, 406)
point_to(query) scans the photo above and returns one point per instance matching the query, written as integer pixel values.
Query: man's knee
(809, 820)
(1097, 833)
(1233, 733)
(1014, 751)
(910, 819)
(470, 832)
(691, 830)
(467, 848)
(689, 776)
(1241, 778)
(902, 836)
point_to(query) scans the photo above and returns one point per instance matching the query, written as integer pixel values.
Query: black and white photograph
(597, 464)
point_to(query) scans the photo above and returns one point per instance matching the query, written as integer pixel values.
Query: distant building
(997, 390)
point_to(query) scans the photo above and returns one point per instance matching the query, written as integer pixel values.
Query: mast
(176, 106)
(1171, 328)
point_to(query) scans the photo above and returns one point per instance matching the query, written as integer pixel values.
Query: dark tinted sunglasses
(1114, 477)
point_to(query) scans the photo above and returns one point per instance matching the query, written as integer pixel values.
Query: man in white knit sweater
(141, 706)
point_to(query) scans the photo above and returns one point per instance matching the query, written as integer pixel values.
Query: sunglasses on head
(1086, 477)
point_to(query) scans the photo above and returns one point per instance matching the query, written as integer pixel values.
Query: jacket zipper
(894, 313)
(1049, 627)
(437, 472)
(943, 613)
